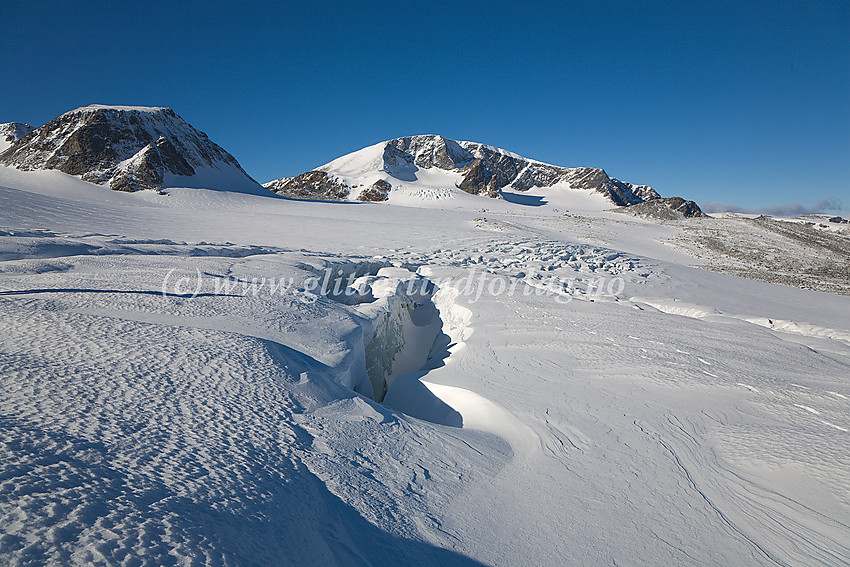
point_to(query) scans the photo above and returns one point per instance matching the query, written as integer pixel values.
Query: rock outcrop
(666, 208)
(11, 132)
(480, 170)
(129, 149)
(310, 185)
(377, 191)
(14, 131)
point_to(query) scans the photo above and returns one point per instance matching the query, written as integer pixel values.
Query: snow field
(665, 424)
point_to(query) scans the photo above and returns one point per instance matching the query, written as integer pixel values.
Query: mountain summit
(435, 161)
(129, 148)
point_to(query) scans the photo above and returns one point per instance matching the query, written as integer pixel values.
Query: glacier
(687, 417)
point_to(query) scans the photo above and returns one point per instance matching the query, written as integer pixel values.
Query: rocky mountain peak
(11, 132)
(430, 150)
(128, 148)
(477, 169)
(14, 131)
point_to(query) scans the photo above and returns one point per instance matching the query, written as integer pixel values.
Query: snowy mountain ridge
(132, 148)
(226, 378)
(129, 148)
(371, 173)
(11, 132)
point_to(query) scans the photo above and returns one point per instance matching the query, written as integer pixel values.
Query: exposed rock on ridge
(11, 132)
(377, 191)
(666, 208)
(310, 185)
(484, 170)
(128, 148)
(14, 131)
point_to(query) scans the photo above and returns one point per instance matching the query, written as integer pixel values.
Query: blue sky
(717, 102)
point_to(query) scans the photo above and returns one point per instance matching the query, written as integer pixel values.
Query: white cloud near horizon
(825, 205)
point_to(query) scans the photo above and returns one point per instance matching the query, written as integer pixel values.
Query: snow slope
(422, 168)
(179, 388)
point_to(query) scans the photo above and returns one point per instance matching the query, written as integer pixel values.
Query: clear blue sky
(743, 104)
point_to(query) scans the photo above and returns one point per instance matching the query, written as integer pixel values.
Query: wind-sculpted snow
(184, 453)
(25, 245)
(404, 324)
(399, 322)
(409, 327)
(189, 451)
(701, 312)
(185, 380)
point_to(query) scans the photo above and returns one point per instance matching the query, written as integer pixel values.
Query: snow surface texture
(128, 148)
(687, 418)
(428, 167)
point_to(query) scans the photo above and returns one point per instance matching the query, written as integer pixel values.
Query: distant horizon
(717, 103)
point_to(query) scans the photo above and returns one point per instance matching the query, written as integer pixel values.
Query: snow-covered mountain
(129, 148)
(438, 163)
(231, 379)
(11, 132)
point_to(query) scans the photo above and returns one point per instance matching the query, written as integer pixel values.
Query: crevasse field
(179, 384)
